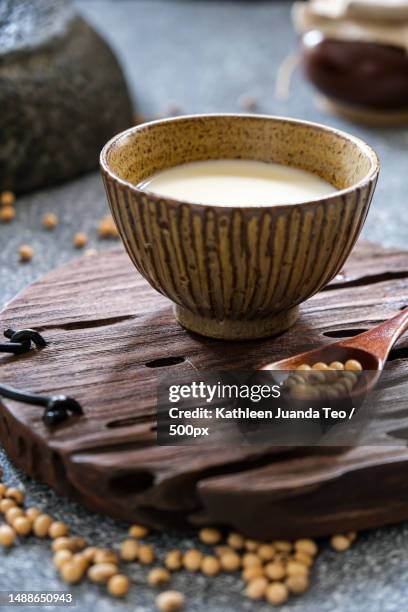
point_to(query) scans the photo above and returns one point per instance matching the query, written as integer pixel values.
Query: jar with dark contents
(355, 57)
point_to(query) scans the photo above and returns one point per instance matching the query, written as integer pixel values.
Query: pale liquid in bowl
(237, 182)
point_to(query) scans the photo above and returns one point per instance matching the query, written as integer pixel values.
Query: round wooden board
(109, 334)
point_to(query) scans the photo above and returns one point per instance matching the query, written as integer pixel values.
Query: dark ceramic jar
(365, 74)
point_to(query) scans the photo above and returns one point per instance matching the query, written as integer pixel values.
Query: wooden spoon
(370, 348)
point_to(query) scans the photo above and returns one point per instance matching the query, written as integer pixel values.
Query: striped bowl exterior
(238, 272)
(243, 265)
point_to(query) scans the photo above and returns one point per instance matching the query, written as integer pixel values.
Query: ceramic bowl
(238, 272)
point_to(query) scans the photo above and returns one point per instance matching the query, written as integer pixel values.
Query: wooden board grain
(109, 335)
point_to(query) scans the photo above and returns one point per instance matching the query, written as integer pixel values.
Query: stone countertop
(200, 56)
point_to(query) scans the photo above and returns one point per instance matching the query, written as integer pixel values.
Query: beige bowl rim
(361, 144)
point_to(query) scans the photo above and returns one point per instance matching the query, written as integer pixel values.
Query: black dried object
(58, 408)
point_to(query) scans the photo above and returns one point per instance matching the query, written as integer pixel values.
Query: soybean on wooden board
(109, 334)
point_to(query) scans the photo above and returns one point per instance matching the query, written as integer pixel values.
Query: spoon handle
(380, 339)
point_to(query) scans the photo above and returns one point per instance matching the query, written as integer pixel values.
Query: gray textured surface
(25, 24)
(62, 94)
(202, 56)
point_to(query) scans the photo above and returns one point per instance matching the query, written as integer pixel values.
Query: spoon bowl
(370, 348)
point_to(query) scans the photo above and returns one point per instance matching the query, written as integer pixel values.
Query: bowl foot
(236, 329)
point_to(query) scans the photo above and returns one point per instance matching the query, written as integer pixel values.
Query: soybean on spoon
(371, 349)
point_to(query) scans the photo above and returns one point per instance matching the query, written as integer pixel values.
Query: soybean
(340, 542)
(158, 575)
(210, 566)
(173, 560)
(192, 560)
(101, 572)
(209, 535)
(138, 531)
(297, 583)
(256, 588)
(7, 536)
(71, 572)
(22, 525)
(146, 554)
(170, 601)
(277, 593)
(129, 550)
(118, 585)
(41, 525)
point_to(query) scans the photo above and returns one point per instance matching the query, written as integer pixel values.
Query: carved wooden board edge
(110, 334)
